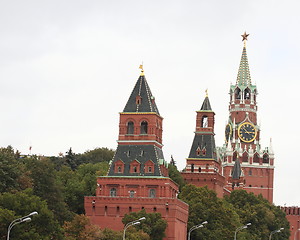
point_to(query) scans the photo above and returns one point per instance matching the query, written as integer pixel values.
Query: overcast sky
(67, 69)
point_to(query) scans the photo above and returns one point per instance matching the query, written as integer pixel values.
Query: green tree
(80, 183)
(153, 225)
(80, 228)
(204, 205)
(263, 216)
(96, 155)
(175, 175)
(47, 186)
(71, 159)
(9, 170)
(19, 204)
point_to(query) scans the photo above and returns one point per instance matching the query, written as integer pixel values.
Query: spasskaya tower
(245, 164)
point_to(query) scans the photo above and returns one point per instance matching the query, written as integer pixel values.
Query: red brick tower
(138, 176)
(203, 168)
(245, 164)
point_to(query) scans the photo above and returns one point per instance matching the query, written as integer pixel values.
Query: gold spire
(206, 92)
(142, 69)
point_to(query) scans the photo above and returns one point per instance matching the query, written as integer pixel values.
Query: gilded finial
(142, 69)
(245, 36)
(206, 92)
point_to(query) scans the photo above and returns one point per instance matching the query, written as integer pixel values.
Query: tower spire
(243, 77)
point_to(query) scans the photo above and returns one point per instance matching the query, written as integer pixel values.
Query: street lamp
(275, 231)
(19, 220)
(196, 227)
(296, 233)
(241, 228)
(131, 224)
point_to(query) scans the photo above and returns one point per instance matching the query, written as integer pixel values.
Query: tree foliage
(153, 225)
(175, 175)
(263, 216)
(16, 205)
(204, 205)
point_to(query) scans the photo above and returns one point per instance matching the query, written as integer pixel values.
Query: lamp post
(296, 233)
(241, 228)
(275, 231)
(19, 220)
(196, 227)
(131, 224)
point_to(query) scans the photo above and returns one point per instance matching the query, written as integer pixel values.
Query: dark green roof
(140, 153)
(203, 143)
(206, 105)
(243, 77)
(141, 91)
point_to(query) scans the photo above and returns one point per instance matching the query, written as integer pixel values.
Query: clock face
(247, 132)
(228, 132)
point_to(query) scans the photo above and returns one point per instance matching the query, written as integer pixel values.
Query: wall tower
(203, 167)
(138, 176)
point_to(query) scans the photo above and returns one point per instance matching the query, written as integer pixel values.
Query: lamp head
(28, 219)
(33, 213)
(135, 223)
(142, 218)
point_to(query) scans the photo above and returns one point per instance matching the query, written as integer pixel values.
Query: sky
(67, 69)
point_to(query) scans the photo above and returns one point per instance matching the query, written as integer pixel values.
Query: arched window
(247, 94)
(130, 127)
(245, 157)
(234, 156)
(192, 167)
(204, 121)
(250, 172)
(237, 93)
(119, 169)
(266, 158)
(144, 127)
(152, 193)
(256, 158)
(198, 151)
(199, 169)
(113, 192)
(131, 194)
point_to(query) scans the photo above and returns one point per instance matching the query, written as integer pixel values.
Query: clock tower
(245, 164)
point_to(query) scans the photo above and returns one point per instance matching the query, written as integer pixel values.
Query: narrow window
(234, 156)
(130, 127)
(144, 127)
(154, 209)
(199, 169)
(245, 157)
(152, 193)
(192, 167)
(198, 151)
(131, 194)
(247, 93)
(237, 93)
(150, 169)
(119, 169)
(204, 121)
(250, 172)
(256, 158)
(266, 158)
(130, 209)
(135, 169)
(113, 192)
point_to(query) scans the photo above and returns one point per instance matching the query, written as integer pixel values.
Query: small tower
(138, 175)
(242, 135)
(203, 166)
